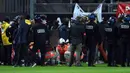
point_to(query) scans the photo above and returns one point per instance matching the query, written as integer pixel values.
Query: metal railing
(9, 7)
(67, 8)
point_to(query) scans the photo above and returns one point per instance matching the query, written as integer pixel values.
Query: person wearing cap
(92, 38)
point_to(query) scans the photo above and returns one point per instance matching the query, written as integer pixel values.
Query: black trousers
(43, 52)
(7, 54)
(91, 44)
(125, 53)
(21, 53)
(91, 54)
(2, 56)
(111, 54)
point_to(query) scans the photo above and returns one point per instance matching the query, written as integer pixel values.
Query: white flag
(69, 24)
(98, 12)
(59, 21)
(77, 11)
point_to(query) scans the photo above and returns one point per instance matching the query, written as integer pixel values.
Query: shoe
(34, 65)
(91, 66)
(78, 65)
(70, 65)
(123, 66)
(15, 65)
(109, 65)
(115, 66)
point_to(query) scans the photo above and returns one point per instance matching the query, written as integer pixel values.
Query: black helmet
(6, 19)
(43, 17)
(127, 18)
(16, 18)
(37, 18)
(112, 20)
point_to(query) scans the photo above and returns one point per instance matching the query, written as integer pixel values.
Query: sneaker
(34, 65)
(78, 65)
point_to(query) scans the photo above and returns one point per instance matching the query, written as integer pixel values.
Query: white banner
(79, 12)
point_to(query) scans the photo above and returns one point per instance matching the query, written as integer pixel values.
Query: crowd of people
(26, 42)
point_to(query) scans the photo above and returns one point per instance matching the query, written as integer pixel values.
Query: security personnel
(40, 38)
(124, 31)
(7, 45)
(92, 38)
(76, 39)
(110, 37)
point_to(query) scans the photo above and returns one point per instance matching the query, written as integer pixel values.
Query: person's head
(6, 19)
(92, 17)
(61, 41)
(27, 17)
(126, 19)
(65, 21)
(78, 18)
(120, 17)
(112, 20)
(16, 19)
(43, 17)
(37, 19)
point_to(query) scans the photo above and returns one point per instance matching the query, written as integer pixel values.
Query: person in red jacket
(60, 50)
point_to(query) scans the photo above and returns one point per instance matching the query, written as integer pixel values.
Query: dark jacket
(40, 34)
(111, 33)
(92, 33)
(64, 32)
(124, 31)
(22, 32)
(76, 33)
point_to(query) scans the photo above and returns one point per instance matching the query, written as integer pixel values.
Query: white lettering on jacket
(108, 29)
(41, 31)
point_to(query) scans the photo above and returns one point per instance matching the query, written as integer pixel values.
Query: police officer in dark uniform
(110, 37)
(124, 33)
(40, 38)
(92, 38)
(76, 39)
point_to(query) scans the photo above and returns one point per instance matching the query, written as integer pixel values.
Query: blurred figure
(111, 39)
(92, 38)
(60, 50)
(54, 34)
(21, 39)
(124, 30)
(118, 53)
(13, 26)
(40, 38)
(76, 39)
(64, 30)
(1, 46)
(12, 31)
(5, 39)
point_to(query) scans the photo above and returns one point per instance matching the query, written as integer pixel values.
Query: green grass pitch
(65, 69)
